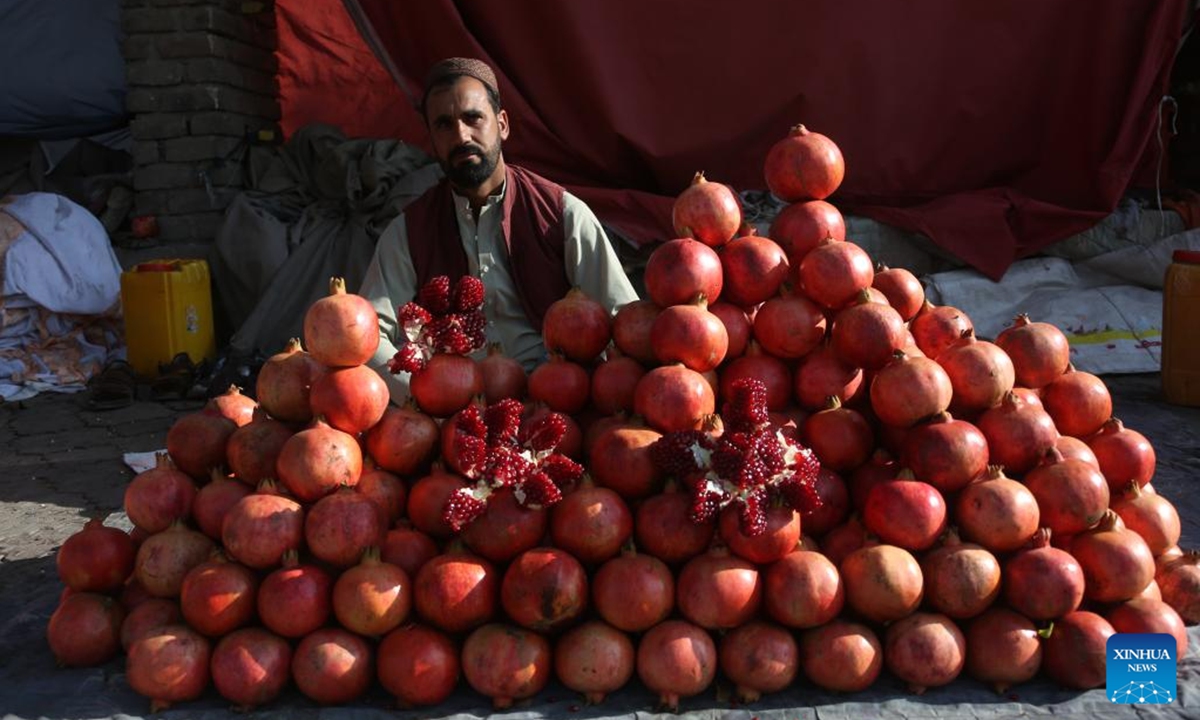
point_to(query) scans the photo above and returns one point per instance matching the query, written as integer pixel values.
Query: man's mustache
(466, 151)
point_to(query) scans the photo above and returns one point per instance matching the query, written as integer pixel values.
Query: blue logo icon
(1141, 668)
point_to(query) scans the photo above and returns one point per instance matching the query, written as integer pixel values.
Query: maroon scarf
(533, 234)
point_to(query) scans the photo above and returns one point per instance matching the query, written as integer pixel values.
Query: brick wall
(201, 84)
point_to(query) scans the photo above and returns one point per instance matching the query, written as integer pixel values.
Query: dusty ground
(60, 464)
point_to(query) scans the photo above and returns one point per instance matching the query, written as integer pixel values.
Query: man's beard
(471, 175)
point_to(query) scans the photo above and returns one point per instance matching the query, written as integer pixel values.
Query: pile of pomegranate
(784, 463)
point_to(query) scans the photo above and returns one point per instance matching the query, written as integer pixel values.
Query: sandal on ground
(174, 378)
(115, 387)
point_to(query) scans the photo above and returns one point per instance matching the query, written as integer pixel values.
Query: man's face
(466, 132)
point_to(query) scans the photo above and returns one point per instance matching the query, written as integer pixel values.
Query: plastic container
(1181, 329)
(168, 310)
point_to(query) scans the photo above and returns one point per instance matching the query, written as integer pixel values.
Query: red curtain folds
(993, 128)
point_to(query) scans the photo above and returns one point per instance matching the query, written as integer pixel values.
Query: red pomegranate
(196, 442)
(1018, 433)
(341, 329)
(577, 326)
(563, 385)
(841, 437)
(961, 579)
(295, 599)
(1123, 454)
(332, 666)
(774, 374)
(316, 461)
(214, 501)
(1075, 653)
(544, 589)
(679, 270)
(456, 591)
(980, 373)
(403, 442)
(503, 376)
(253, 449)
(1043, 582)
(614, 381)
(805, 165)
(1117, 564)
(996, 512)
(234, 405)
(925, 650)
(1151, 516)
(821, 375)
(758, 658)
(841, 656)
(676, 659)
(163, 559)
(1079, 403)
(1179, 581)
(866, 334)
(800, 227)
(673, 397)
(843, 539)
(706, 211)
(261, 527)
(1071, 495)
(96, 558)
(285, 381)
(427, 500)
(1077, 449)
(937, 327)
(85, 629)
(803, 590)
(717, 590)
(631, 330)
(388, 492)
(691, 335)
(147, 617)
(1039, 351)
(909, 389)
(777, 540)
(754, 269)
(737, 326)
(218, 597)
(1004, 648)
(906, 512)
(168, 666)
(663, 527)
(834, 273)
(902, 289)
(506, 663)
(373, 597)
(789, 326)
(447, 384)
(418, 665)
(591, 523)
(594, 659)
(351, 399)
(883, 582)
(406, 547)
(159, 496)
(339, 527)
(946, 453)
(506, 528)
(250, 667)
(633, 592)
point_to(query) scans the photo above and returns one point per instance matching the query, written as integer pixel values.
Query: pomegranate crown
(751, 464)
(443, 319)
(495, 450)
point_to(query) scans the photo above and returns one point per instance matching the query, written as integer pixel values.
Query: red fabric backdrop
(995, 129)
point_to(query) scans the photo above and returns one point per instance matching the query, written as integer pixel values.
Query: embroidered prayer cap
(452, 67)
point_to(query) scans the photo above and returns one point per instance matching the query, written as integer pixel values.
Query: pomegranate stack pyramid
(784, 465)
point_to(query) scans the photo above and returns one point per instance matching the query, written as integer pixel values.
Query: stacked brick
(201, 85)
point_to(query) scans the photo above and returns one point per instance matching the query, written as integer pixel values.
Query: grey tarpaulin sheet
(316, 211)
